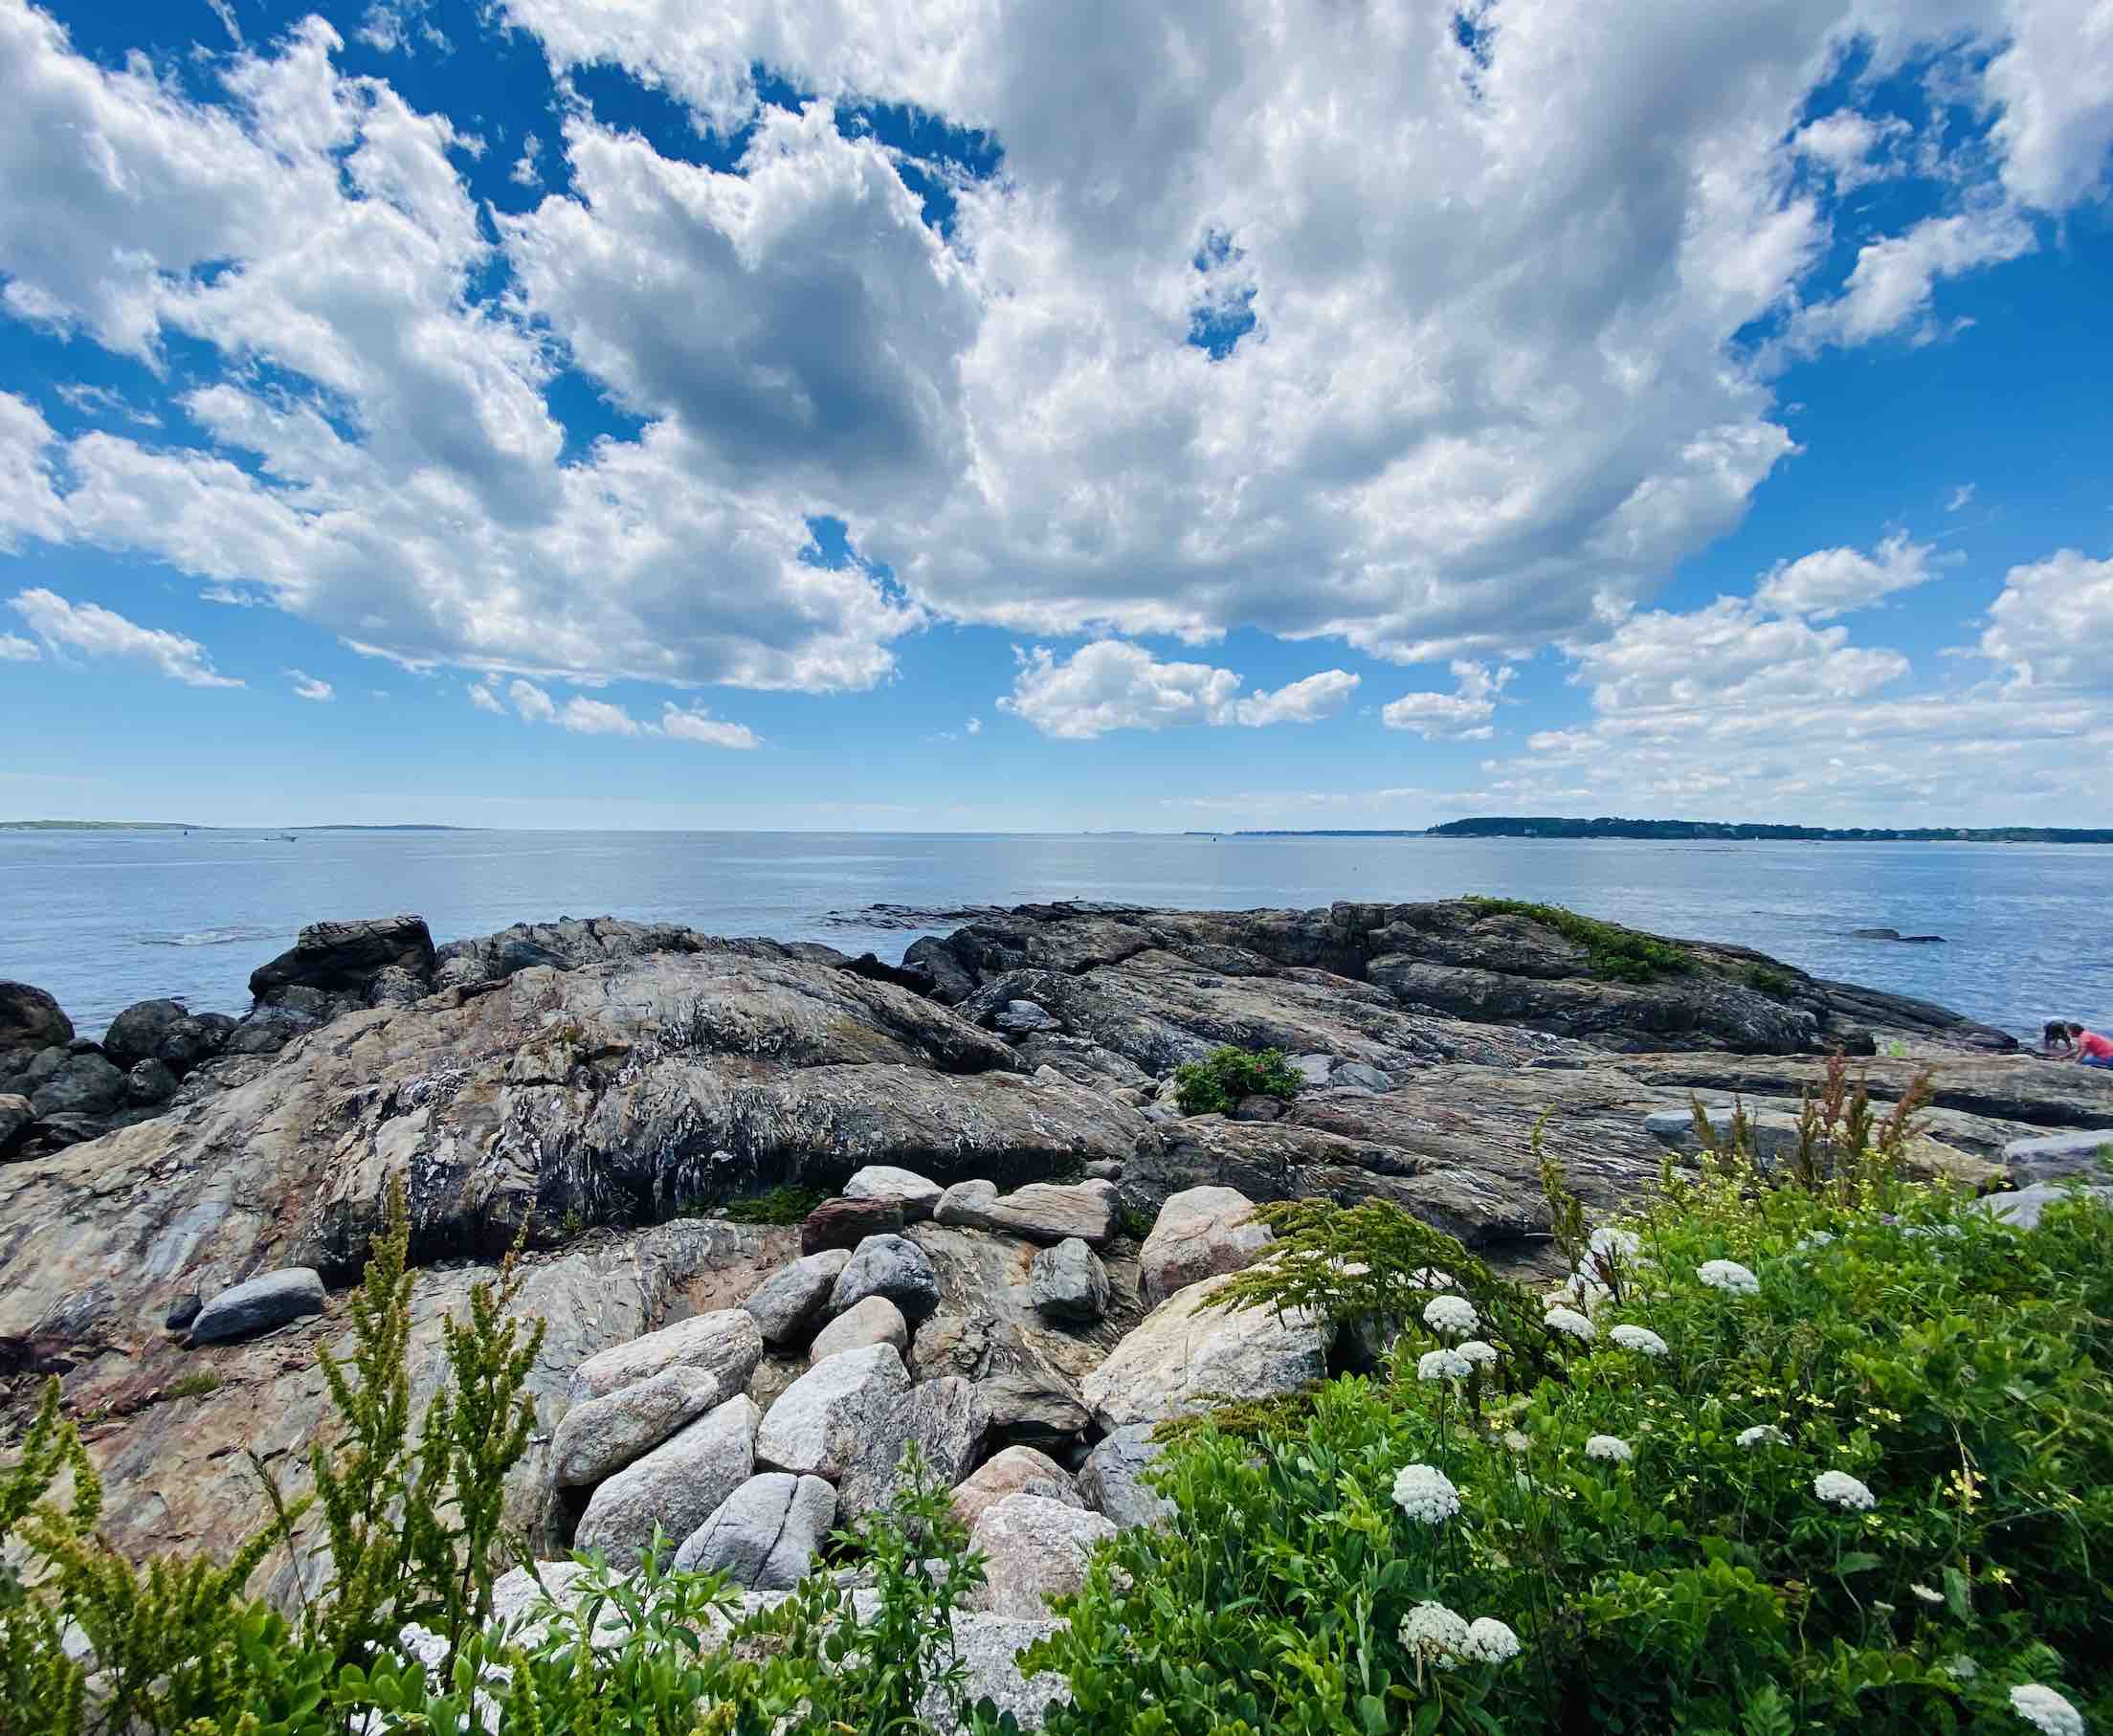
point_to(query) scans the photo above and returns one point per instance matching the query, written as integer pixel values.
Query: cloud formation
(1110, 684)
(308, 687)
(1462, 715)
(1832, 581)
(91, 631)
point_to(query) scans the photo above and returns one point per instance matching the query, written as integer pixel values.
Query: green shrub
(1767, 979)
(784, 1204)
(1218, 1081)
(1611, 954)
(1666, 1517)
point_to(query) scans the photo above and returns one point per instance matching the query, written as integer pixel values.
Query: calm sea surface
(102, 919)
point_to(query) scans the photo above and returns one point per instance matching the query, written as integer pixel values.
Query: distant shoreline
(179, 826)
(1701, 831)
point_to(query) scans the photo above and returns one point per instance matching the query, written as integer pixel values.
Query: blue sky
(842, 415)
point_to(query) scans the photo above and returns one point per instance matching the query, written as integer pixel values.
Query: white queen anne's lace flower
(2046, 1710)
(1426, 1494)
(1610, 1447)
(1639, 1339)
(1443, 1365)
(1583, 1289)
(1763, 1435)
(1490, 1640)
(1453, 1316)
(1927, 1593)
(1478, 1352)
(1839, 1489)
(1569, 1321)
(1729, 1277)
(1430, 1278)
(1610, 1243)
(1436, 1635)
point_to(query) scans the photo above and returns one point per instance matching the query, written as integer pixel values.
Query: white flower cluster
(1729, 1277)
(1927, 1593)
(1430, 1278)
(1453, 1316)
(1763, 1435)
(1610, 1243)
(1570, 1322)
(1478, 1352)
(1819, 1239)
(1639, 1339)
(1443, 1638)
(1839, 1489)
(1610, 1447)
(1583, 1289)
(1426, 1494)
(2046, 1710)
(1443, 1365)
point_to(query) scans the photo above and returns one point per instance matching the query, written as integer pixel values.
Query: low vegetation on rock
(1611, 954)
(785, 1203)
(1218, 1081)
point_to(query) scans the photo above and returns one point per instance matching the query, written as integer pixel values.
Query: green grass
(1613, 955)
(784, 1204)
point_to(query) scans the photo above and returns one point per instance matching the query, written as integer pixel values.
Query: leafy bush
(1818, 1450)
(784, 1204)
(1611, 954)
(1767, 979)
(1218, 1081)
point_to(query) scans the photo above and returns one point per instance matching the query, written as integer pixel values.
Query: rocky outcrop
(342, 958)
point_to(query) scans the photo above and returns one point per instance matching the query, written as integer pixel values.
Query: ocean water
(102, 919)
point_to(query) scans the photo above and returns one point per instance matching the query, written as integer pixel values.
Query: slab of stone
(1034, 1549)
(943, 1418)
(1112, 1479)
(892, 1266)
(1362, 1076)
(823, 1419)
(1068, 1282)
(1200, 1232)
(16, 1119)
(1034, 1405)
(1774, 1131)
(676, 1487)
(259, 1304)
(766, 1535)
(1187, 1353)
(872, 1321)
(845, 1223)
(1044, 1212)
(727, 1342)
(82, 1084)
(788, 1302)
(2022, 1207)
(987, 1646)
(1025, 1019)
(1015, 1471)
(2056, 1156)
(918, 1195)
(604, 1434)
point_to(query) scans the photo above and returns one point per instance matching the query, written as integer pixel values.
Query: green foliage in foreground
(1614, 955)
(1218, 1081)
(1658, 1499)
(784, 1204)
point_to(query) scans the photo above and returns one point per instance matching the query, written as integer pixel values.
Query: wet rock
(676, 1487)
(873, 1320)
(30, 1021)
(826, 1416)
(917, 1194)
(892, 1266)
(259, 1304)
(138, 1033)
(1015, 1471)
(788, 1301)
(1068, 1282)
(83, 1084)
(1025, 1019)
(149, 1082)
(342, 958)
(1200, 1232)
(943, 1418)
(1187, 1351)
(15, 1117)
(1047, 1212)
(726, 1344)
(604, 1434)
(1112, 1479)
(269, 1030)
(193, 1040)
(766, 1535)
(845, 1223)
(1034, 1549)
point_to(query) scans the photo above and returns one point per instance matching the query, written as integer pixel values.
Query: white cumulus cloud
(308, 687)
(15, 649)
(1832, 581)
(1110, 686)
(2052, 623)
(695, 724)
(1462, 715)
(93, 631)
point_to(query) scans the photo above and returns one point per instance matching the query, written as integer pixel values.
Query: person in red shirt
(2090, 1047)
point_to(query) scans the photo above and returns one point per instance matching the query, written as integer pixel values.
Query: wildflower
(1960, 1667)
(1569, 1321)
(1478, 1352)
(1610, 1243)
(1430, 1277)
(1435, 1634)
(1453, 1316)
(1927, 1593)
(1640, 1339)
(1729, 1277)
(1763, 1435)
(1608, 1447)
(1516, 1442)
(1426, 1494)
(1443, 1365)
(2046, 1710)
(1490, 1640)
(1583, 1289)
(1839, 1489)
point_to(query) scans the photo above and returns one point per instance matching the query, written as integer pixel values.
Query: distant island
(1551, 826)
(178, 826)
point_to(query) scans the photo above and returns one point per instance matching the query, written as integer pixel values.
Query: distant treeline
(1548, 826)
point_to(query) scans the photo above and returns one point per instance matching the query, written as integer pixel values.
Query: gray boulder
(16, 1119)
(1112, 1479)
(788, 1303)
(2022, 1207)
(1044, 1212)
(259, 1304)
(268, 1030)
(892, 1266)
(1187, 1353)
(1035, 1406)
(989, 1647)
(845, 1223)
(1362, 1076)
(342, 958)
(1200, 1232)
(1034, 1549)
(727, 1342)
(150, 1082)
(917, 1194)
(606, 1434)
(1015, 1471)
(30, 1021)
(943, 1418)
(675, 1487)
(1068, 1282)
(1025, 1019)
(2054, 1156)
(872, 1321)
(824, 1419)
(766, 1535)
(137, 1033)
(83, 1084)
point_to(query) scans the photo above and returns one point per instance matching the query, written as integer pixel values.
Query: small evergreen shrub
(1214, 1084)
(784, 1204)
(1767, 979)
(1613, 954)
